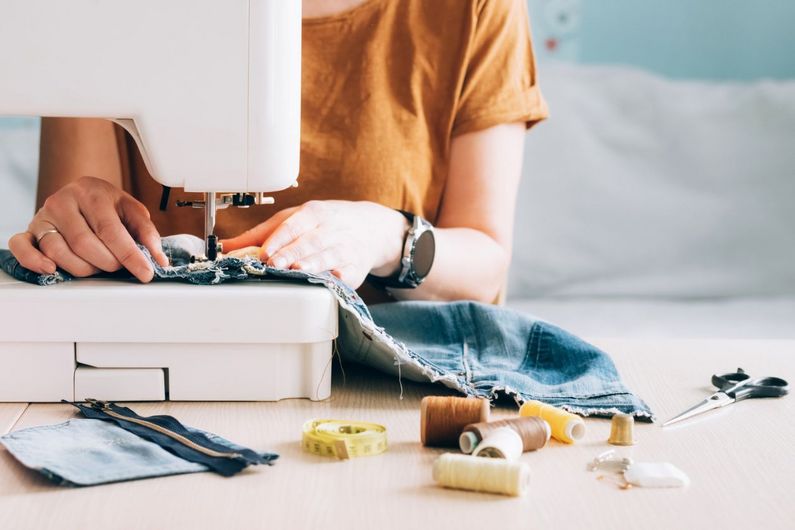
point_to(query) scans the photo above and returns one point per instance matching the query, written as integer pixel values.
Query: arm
(473, 238)
(475, 225)
(85, 222)
(72, 148)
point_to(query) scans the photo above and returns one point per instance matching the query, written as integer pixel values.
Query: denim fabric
(486, 348)
(11, 266)
(89, 452)
(477, 349)
(223, 465)
(92, 451)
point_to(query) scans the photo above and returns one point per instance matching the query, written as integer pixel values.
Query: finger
(350, 275)
(107, 224)
(84, 242)
(310, 243)
(245, 252)
(305, 219)
(23, 247)
(136, 217)
(54, 246)
(255, 236)
(322, 261)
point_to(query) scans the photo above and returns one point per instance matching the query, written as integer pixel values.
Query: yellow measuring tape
(343, 439)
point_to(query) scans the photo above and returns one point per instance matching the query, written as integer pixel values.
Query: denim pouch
(89, 452)
(210, 450)
(477, 349)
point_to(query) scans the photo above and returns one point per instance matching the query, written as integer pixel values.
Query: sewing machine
(210, 91)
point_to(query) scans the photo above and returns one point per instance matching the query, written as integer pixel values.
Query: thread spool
(492, 475)
(533, 431)
(622, 430)
(442, 418)
(501, 443)
(566, 427)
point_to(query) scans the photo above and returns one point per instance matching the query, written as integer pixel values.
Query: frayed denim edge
(403, 355)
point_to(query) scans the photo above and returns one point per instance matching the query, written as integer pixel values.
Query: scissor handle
(739, 386)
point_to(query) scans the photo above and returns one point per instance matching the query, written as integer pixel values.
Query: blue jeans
(477, 349)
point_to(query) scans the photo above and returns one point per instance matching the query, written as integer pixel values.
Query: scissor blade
(716, 400)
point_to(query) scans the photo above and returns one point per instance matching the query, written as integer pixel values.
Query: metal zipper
(104, 407)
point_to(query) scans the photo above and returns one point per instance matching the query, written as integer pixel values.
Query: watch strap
(394, 281)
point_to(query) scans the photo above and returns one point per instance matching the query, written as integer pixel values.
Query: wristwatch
(419, 249)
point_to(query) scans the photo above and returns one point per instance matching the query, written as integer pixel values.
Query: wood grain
(9, 414)
(739, 459)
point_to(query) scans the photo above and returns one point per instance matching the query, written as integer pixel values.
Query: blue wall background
(691, 39)
(694, 39)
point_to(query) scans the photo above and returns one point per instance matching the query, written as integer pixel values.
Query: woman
(407, 105)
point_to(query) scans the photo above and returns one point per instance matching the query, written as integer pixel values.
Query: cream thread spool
(442, 418)
(492, 475)
(501, 443)
(533, 431)
(566, 427)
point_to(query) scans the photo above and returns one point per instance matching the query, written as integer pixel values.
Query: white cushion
(637, 318)
(643, 186)
(19, 159)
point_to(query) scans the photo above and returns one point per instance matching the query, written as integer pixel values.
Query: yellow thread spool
(566, 427)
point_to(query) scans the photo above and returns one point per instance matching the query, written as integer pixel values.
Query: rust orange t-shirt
(386, 86)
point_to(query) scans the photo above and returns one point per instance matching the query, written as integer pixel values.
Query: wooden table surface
(740, 460)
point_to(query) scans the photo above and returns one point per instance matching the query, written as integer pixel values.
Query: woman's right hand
(89, 226)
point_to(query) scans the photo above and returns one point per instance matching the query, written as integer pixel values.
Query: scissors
(734, 387)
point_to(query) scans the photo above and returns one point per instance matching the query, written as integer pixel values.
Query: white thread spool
(502, 443)
(492, 475)
(468, 441)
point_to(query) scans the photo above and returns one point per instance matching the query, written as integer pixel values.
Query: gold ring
(42, 235)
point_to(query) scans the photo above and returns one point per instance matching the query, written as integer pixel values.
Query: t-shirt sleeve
(499, 83)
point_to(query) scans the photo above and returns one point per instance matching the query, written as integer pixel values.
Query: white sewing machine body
(211, 92)
(209, 89)
(119, 340)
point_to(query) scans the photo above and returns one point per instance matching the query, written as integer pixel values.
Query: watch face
(424, 251)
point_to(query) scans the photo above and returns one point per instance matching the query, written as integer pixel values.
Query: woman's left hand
(350, 239)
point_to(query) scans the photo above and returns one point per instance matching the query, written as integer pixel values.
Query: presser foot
(212, 247)
(217, 201)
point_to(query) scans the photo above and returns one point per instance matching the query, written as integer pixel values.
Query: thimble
(621, 427)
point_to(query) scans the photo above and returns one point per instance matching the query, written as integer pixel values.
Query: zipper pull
(97, 404)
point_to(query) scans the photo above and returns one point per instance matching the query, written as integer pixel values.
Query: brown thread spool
(442, 418)
(533, 431)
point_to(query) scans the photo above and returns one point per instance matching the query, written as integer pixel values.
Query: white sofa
(649, 207)
(658, 208)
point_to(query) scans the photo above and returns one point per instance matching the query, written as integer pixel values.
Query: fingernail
(279, 262)
(49, 267)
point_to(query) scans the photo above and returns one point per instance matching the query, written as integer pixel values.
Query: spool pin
(492, 475)
(442, 418)
(622, 430)
(534, 433)
(566, 427)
